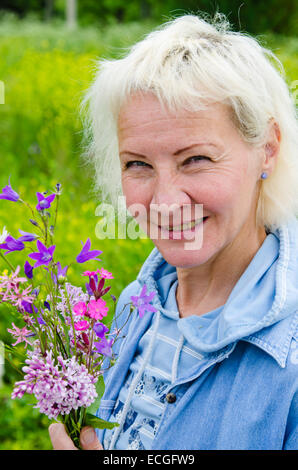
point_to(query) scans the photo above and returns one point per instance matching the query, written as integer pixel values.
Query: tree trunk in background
(71, 13)
(48, 11)
(145, 9)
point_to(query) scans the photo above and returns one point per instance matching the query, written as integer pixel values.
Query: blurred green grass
(46, 69)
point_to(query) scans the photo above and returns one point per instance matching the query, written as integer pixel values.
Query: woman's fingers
(61, 440)
(59, 437)
(89, 439)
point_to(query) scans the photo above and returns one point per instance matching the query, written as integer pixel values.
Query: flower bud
(92, 284)
(85, 338)
(33, 222)
(28, 270)
(61, 280)
(36, 291)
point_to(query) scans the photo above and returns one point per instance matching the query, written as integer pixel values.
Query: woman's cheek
(215, 196)
(136, 199)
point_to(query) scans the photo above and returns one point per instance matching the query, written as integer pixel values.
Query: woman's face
(188, 159)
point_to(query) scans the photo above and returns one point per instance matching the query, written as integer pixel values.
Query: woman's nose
(169, 190)
(168, 200)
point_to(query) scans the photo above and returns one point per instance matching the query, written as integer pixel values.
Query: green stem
(73, 428)
(33, 215)
(71, 316)
(56, 211)
(8, 262)
(91, 344)
(44, 221)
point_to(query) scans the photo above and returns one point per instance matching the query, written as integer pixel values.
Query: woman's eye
(139, 163)
(196, 158)
(133, 162)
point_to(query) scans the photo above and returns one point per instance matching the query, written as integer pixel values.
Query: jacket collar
(276, 339)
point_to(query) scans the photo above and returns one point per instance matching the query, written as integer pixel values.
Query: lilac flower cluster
(58, 387)
(73, 293)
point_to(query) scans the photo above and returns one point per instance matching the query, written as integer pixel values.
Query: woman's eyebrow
(178, 152)
(127, 152)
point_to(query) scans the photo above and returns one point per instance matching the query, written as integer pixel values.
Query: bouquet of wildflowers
(62, 326)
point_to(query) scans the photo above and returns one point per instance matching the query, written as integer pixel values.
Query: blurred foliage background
(48, 50)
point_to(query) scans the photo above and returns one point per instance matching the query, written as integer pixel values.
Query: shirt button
(171, 397)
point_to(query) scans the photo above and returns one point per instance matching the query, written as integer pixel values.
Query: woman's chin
(177, 255)
(186, 249)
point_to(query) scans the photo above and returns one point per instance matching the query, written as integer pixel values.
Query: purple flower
(60, 272)
(85, 254)
(104, 346)
(12, 244)
(47, 305)
(142, 301)
(9, 194)
(41, 320)
(28, 307)
(27, 237)
(28, 269)
(88, 288)
(44, 202)
(100, 329)
(44, 256)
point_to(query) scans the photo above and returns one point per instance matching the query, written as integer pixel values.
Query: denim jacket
(243, 394)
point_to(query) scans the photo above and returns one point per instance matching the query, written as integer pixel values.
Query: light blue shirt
(172, 354)
(242, 393)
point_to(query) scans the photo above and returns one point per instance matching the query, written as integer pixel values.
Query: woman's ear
(271, 146)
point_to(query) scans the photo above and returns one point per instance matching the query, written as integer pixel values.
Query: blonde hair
(189, 62)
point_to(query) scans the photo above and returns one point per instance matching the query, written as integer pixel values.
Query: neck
(206, 287)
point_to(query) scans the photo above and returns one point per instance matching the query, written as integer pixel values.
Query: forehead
(143, 115)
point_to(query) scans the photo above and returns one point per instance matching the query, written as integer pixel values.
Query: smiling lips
(182, 227)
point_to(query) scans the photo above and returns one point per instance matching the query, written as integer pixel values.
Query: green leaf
(13, 352)
(100, 388)
(95, 422)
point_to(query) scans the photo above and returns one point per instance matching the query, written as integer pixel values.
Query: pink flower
(97, 309)
(10, 290)
(81, 325)
(20, 334)
(16, 297)
(105, 274)
(80, 308)
(9, 282)
(90, 273)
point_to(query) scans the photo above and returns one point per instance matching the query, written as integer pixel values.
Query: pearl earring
(264, 175)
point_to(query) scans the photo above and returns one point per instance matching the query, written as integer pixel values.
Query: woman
(197, 116)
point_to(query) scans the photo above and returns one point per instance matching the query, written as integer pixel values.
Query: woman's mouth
(178, 231)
